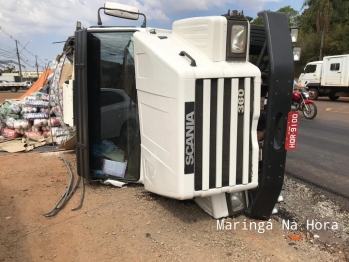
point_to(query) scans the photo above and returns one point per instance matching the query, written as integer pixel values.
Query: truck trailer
(183, 108)
(11, 86)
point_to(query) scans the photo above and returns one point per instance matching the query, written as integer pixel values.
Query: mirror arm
(99, 21)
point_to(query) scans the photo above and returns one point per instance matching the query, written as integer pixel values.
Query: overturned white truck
(178, 110)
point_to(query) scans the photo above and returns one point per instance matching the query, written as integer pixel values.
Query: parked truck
(183, 107)
(329, 77)
(13, 86)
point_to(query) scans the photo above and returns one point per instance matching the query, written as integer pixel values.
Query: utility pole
(19, 62)
(37, 66)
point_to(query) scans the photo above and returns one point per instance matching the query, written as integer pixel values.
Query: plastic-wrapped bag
(2, 126)
(54, 122)
(29, 109)
(40, 122)
(40, 96)
(20, 131)
(62, 139)
(9, 133)
(16, 107)
(46, 133)
(35, 116)
(57, 111)
(58, 131)
(36, 103)
(9, 121)
(45, 110)
(31, 133)
(22, 124)
(6, 111)
(35, 129)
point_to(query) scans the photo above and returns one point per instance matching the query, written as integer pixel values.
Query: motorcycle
(301, 102)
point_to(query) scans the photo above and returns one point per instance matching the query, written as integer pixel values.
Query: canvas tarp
(42, 80)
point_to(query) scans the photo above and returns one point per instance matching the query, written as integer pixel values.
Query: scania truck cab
(178, 110)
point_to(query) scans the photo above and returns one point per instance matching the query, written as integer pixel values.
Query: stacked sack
(12, 124)
(30, 117)
(38, 114)
(56, 102)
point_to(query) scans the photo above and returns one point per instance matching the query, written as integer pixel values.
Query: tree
(249, 18)
(257, 21)
(322, 10)
(292, 16)
(9, 69)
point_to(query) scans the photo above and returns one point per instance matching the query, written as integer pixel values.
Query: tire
(313, 93)
(14, 89)
(333, 98)
(312, 111)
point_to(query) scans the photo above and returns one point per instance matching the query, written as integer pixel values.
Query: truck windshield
(113, 112)
(310, 69)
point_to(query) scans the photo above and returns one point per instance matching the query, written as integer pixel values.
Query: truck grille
(223, 115)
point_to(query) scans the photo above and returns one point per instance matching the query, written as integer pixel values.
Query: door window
(335, 67)
(110, 98)
(114, 130)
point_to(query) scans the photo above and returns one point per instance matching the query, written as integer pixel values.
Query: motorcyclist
(297, 85)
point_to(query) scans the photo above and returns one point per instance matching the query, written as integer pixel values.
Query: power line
(25, 62)
(24, 48)
(26, 58)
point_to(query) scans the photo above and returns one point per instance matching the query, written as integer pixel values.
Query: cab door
(311, 74)
(105, 116)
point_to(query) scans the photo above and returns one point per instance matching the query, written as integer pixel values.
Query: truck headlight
(238, 39)
(237, 36)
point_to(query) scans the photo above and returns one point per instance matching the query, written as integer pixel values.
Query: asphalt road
(322, 154)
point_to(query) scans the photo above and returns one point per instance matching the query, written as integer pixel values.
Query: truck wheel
(333, 98)
(14, 89)
(313, 93)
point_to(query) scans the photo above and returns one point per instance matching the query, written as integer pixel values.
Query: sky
(38, 24)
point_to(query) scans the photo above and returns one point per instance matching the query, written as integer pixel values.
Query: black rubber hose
(64, 198)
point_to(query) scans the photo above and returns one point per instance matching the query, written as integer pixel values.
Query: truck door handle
(338, 72)
(314, 75)
(183, 53)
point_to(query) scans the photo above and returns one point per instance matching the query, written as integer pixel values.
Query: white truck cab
(311, 73)
(189, 128)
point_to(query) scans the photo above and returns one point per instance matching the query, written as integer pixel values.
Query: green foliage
(338, 40)
(292, 15)
(249, 18)
(328, 17)
(257, 21)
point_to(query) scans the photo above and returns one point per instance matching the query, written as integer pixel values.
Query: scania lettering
(183, 106)
(189, 141)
